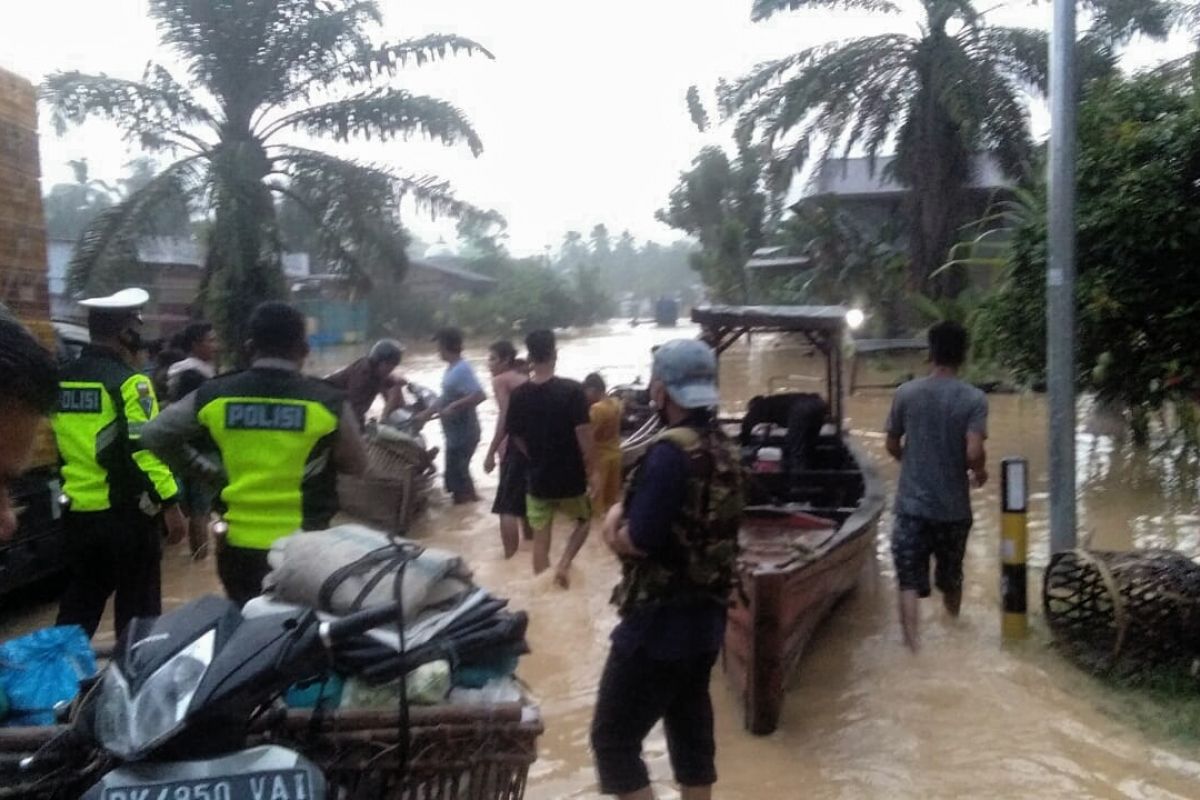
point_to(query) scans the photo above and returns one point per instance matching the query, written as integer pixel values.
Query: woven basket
(386, 458)
(455, 753)
(468, 758)
(1124, 612)
(394, 490)
(389, 505)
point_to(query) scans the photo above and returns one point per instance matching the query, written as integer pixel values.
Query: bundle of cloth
(442, 615)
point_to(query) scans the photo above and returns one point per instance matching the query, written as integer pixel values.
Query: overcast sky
(582, 113)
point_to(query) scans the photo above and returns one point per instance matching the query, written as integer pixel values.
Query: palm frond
(428, 193)
(841, 93)
(356, 244)
(982, 99)
(1178, 72)
(734, 96)
(315, 52)
(388, 58)
(1119, 21)
(696, 109)
(784, 164)
(157, 111)
(764, 9)
(1096, 58)
(1019, 53)
(356, 210)
(220, 40)
(385, 114)
(108, 246)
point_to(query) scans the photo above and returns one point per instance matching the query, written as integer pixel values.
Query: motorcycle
(176, 707)
(406, 420)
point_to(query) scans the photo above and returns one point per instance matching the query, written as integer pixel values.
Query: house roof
(858, 177)
(779, 262)
(889, 345)
(170, 250)
(443, 265)
(157, 251)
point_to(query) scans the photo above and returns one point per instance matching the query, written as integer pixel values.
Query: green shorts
(540, 511)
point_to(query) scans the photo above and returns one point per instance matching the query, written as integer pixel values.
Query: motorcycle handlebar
(358, 623)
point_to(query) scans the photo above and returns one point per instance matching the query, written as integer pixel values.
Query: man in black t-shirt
(548, 420)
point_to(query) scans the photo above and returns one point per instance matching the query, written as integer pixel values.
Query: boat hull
(777, 611)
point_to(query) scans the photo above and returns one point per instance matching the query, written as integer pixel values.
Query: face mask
(131, 339)
(660, 409)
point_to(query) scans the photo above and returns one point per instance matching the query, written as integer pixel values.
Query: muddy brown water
(967, 717)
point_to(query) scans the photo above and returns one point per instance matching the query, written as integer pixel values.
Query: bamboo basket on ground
(1124, 612)
(395, 488)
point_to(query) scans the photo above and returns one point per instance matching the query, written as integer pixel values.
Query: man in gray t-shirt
(936, 430)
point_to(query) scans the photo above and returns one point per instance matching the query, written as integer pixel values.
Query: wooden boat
(808, 535)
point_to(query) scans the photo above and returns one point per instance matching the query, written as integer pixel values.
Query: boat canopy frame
(825, 327)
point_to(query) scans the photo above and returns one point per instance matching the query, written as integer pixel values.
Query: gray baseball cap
(689, 369)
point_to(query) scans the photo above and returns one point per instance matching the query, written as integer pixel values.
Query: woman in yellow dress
(605, 413)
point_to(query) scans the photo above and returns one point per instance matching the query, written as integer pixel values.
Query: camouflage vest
(700, 565)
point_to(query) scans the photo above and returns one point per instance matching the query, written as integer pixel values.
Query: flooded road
(864, 718)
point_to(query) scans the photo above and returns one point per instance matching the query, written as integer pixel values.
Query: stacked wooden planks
(24, 288)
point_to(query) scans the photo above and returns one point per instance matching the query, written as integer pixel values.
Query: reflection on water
(864, 719)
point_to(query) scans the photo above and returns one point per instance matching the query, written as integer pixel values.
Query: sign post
(1014, 546)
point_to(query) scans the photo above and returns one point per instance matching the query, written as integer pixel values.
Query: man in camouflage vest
(676, 536)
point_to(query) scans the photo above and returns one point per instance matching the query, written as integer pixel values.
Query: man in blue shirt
(676, 535)
(461, 393)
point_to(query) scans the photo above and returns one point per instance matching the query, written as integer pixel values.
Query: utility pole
(1060, 278)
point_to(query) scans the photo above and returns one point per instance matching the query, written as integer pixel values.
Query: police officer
(117, 493)
(281, 436)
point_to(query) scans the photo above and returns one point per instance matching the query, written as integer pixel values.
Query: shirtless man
(514, 466)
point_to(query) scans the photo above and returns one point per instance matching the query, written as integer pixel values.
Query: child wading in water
(605, 415)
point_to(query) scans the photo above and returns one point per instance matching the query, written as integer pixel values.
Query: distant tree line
(585, 282)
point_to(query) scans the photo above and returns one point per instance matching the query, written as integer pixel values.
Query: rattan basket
(1124, 612)
(395, 488)
(458, 753)
(388, 505)
(454, 753)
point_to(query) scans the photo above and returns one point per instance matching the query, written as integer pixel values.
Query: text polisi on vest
(265, 416)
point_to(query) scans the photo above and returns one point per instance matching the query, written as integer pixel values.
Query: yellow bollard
(1014, 543)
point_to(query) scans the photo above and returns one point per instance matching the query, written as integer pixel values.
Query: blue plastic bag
(324, 692)
(43, 669)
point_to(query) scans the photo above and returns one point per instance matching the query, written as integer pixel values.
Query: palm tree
(951, 90)
(69, 207)
(258, 69)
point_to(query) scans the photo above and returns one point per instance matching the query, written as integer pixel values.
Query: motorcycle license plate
(281, 784)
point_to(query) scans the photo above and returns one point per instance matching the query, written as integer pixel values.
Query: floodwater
(967, 717)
